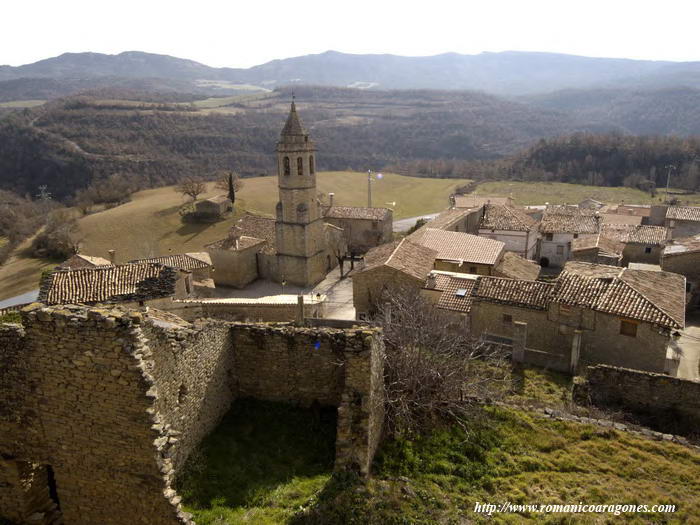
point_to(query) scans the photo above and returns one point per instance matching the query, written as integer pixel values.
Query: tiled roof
(682, 246)
(514, 266)
(218, 199)
(250, 225)
(357, 212)
(444, 221)
(184, 261)
(683, 213)
(614, 218)
(402, 255)
(127, 282)
(499, 217)
(94, 261)
(604, 244)
(516, 292)
(654, 297)
(476, 201)
(635, 233)
(457, 293)
(458, 246)
(568, 219)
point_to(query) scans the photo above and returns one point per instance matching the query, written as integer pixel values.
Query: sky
(243, 33)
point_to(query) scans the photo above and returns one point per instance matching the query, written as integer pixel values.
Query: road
(406, 224)
(689, 343)
(20, 299)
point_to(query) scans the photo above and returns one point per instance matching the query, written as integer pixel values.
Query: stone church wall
(112, 403)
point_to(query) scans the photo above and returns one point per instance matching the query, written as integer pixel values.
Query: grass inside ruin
(269, 463)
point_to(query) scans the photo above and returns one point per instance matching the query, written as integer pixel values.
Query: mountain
(508, 73)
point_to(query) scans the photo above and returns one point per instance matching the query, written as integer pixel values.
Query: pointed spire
(293, 126)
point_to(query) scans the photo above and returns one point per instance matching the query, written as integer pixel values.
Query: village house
(84, 261)
(559, 227)
(396, 265)
(453, 219)
(590, 203)
(462, 252)
(682, 256)
(683, 221)
(364, 227)
(511, 226)
(597, 249)
(131, 285)
(213, 208)
(643, 244)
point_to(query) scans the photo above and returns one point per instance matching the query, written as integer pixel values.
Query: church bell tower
(300, 239)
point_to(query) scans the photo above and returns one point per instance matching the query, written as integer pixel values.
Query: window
(181, 394)
(462, 292)
(287, 169)
(311, 165)
(575, 235)
(628, 328)
(375, 225)
(507, 318)
(549, 237)
(300, 166)
(560, 250)
(647, 249)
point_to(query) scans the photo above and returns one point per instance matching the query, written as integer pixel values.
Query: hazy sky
(242, 33)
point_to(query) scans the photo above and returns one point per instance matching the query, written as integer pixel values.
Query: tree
(192, 187)
(337, 244)
(225, 179)
(433, 369)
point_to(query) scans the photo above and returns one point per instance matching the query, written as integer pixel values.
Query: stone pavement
(689, 344)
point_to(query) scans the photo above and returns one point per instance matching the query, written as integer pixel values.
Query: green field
(528, 193)
(271, 464)
(22, 103)
(150, 223)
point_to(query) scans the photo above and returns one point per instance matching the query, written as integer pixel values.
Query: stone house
(199, 263)
(513, 266)
(643, 244)
(213, 208)
(461, 252)
(133, 285)
(364, 227)
(396, 265)
(80, 260)
(589, 203)
(453, 219)
(511, 226)
(682, 256)
(559, 227)
(682, 221)
(618, 316)
(597, 249)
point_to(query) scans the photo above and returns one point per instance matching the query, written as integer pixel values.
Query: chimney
(112, 256)
(330, 198)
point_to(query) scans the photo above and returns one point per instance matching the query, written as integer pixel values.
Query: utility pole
(670, 167)
(369, 188)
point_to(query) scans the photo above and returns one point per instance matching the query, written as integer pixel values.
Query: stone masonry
(100, 407)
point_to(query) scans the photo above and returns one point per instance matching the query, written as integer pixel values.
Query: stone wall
(363, 234)
(236, 268)
(245, 311)
(368, 286)
(637, 253)
(641, 392)
(112, 403)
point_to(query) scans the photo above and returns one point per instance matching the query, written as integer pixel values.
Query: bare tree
(192, 187)
(434, 370)
(223, 179)
(337, 244)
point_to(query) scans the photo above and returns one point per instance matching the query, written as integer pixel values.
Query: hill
(506, 73)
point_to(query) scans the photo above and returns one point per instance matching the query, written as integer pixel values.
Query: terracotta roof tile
(127, 282)
(568, 219)
(516, 292)
(91, 260)
(603, 244)
(252, 226)
(402, 255)
(444, 221)
(682, 246)
(514, 266)
(458, 246)
(457, 293)
(357, 212)
(498, 217)
(683, 213)
(184, 261)
(627, 233)
(654, 297)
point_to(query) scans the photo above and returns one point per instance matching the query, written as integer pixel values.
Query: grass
(22, 103)
(150, 223)
(266, 464)
(528, 193)
(263, 462)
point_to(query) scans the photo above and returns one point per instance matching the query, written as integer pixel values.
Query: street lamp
(369, 186)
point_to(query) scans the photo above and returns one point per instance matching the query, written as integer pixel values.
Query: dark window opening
(575, 235)
(647, 249)
(312, 168)
(507, 318)
(287, 167)
(53, 489)
(628, 328)
(181, 394)
(549, 236)
(300, 166)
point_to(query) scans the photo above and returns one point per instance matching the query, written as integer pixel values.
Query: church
(296, 246)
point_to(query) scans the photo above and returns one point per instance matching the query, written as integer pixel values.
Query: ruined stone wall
(244, 312)
(368, 286)
(641, 392)
(235, 268)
